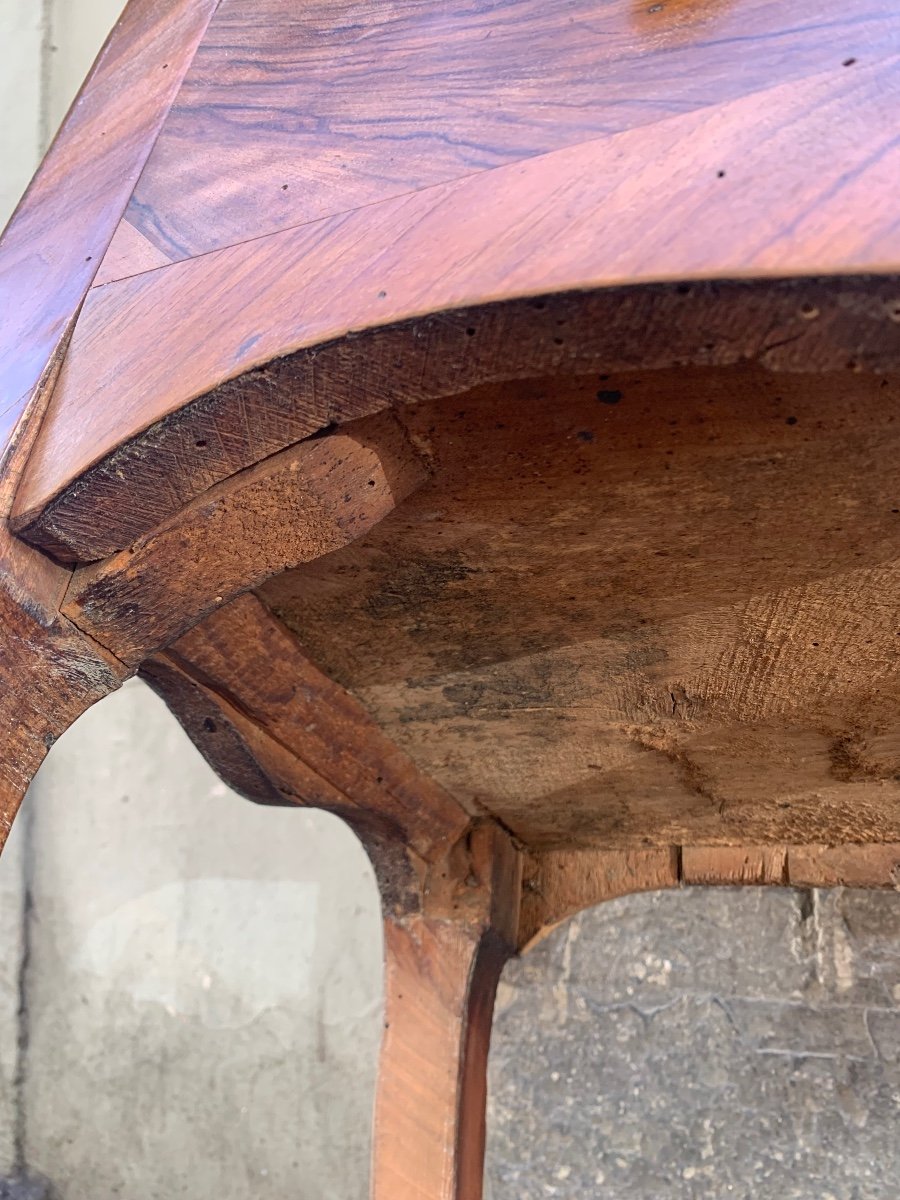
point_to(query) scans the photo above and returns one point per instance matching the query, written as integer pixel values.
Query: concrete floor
(701, 1045)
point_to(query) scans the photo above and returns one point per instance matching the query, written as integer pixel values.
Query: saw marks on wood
(649, 608)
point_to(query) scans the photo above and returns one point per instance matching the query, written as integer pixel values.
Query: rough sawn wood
(480, 421)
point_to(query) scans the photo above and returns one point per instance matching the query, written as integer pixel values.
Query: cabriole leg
(442, 967)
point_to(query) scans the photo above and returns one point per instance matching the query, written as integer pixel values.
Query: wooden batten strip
(560, 883)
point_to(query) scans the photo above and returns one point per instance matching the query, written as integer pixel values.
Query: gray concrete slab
(703, 1044)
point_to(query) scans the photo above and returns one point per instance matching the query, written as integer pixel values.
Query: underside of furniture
(479, 421)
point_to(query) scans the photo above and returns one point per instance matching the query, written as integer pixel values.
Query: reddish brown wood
(440, 980)
(306, 502)
(601, 590)
(442, 967)
(274, 700)
(680, 154)
(197, 411)
(54, 243)
(49, 253)
(284, 120)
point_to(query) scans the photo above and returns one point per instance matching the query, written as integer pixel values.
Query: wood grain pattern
(557, 884)
(283, 121)
(306, 502)
(142, 475)
(49, 671)
(601, 587)
(440, 979)
(560, 883)
(807, 190)
(129, 253)
(650, 606)
(55, 240)
(844, 866)
(272, 701)
(706, 865)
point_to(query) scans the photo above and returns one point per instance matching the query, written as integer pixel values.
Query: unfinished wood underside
(617, 569)
(648, 608)
(552, 347)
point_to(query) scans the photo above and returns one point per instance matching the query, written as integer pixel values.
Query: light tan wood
(560, 883)
(650, 607)
(557, 884)
(844, 866)
(735, 864)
